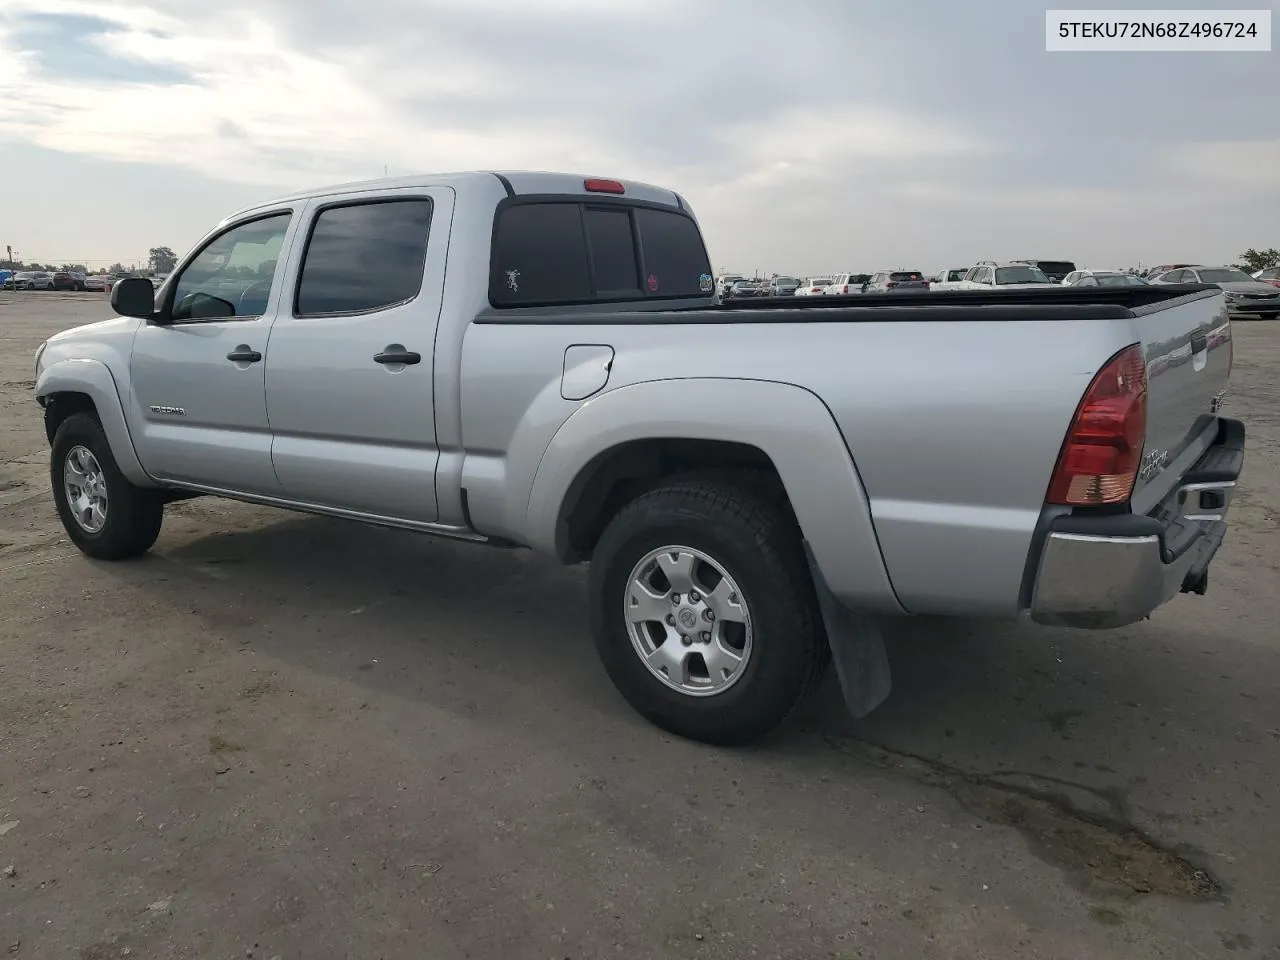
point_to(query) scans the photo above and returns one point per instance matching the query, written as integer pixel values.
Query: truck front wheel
(703, 611)
(104, 514)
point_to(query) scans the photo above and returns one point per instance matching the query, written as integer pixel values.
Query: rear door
(349, 365)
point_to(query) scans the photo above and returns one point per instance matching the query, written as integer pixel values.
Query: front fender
(93, 378)
(788, 423)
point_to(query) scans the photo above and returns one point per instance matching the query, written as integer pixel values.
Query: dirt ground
(281, 736)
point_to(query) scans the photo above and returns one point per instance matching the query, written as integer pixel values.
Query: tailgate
(1187, 343)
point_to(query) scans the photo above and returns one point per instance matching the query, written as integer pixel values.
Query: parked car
(813, 287)
(1016, 275)
(1246, 297)
(846, 283)
(30, 280)
(783, 286)
(1055, 270)
(97, 283)
(1103, 278)
(896, 281)
(1270, 275)
(733, 544)
(948, 279)
(748, 288)
(68, 280)
(725, 282)
(1165, 268)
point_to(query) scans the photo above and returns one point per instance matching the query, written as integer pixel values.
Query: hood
(113, 325)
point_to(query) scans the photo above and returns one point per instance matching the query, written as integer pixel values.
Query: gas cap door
(586, 370)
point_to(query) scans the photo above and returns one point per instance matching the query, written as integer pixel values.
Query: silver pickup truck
(538, 360)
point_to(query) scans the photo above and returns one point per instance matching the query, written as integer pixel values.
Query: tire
(132, 516)
(759, 549)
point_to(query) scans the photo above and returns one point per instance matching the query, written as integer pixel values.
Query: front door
(349, 367)
(198, 400)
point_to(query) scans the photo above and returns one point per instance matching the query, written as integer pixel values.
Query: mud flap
(857, 648)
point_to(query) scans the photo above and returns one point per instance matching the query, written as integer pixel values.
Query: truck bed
(954, 406)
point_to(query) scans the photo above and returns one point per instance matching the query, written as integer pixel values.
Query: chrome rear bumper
(1100, 572)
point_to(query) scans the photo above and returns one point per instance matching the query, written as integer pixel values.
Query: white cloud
(791, 158)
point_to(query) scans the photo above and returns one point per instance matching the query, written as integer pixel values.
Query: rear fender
(93, 378)
(791, 425)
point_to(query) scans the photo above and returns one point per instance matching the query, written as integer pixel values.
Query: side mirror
(133, 297)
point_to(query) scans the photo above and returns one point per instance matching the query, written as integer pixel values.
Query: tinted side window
(539, 255)
(675, 258)
(364, 256)
(613, 251)
(232, 275)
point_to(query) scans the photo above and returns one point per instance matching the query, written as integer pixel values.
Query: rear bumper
(1109, 571)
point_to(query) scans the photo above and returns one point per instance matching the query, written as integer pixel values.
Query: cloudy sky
(810, 135)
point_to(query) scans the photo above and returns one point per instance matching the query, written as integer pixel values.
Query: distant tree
(117, 268)
(1254, 260)
(162, 259)
(74, 268)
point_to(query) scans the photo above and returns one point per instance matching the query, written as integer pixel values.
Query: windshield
(818, 282)
(1117, 280)
(1056, 266)
(1224, 276)
(901, 275)
(786, 281)
(1020, 275)
(955, 276)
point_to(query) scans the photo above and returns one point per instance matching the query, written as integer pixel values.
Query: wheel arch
(68, 387)
(642, 433)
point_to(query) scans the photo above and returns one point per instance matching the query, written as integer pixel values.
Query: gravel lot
(281, 736)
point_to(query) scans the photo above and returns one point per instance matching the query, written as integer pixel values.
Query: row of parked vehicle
(46, 280)
(1258, 295)
(63, 280)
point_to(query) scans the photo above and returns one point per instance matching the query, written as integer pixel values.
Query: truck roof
(515, 182)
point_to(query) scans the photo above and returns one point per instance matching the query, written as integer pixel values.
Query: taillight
(598, 185)
(1100, 457)
(890, 284)
(845, 288)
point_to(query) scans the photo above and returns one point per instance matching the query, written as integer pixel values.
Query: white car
(844, 284)
(989, 275)
(813, 287)
(948, 279)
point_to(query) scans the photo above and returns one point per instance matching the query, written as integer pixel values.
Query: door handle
(395, 353)
(244, 354)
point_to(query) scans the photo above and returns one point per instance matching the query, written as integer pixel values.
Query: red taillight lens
(1100, 457)
(891, 283)
(595, 185)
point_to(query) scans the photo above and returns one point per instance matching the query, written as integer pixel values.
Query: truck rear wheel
(104, 514)
(703, 611)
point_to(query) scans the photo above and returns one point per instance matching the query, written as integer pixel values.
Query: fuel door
(586, 370)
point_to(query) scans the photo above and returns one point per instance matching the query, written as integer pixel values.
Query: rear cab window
(560, 251)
